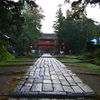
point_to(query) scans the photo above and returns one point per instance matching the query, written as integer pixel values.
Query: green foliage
(4, 19)
(36, 53)
(22, 24)
(97, 31)
(88, 65)
(97, 61)
(73, 31)
(30, 28)
(91, 51)
(5, 55)
(3, 43)
(68, 59)
(87, 56)
(97, 53)
(83, 3)
(90, 47)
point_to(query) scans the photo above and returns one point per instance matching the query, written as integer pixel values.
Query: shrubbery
(5, 55)
(97, 53)
(91, 52)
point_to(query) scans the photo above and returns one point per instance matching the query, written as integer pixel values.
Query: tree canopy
(83, 4)
(21, 21)
(74, 31)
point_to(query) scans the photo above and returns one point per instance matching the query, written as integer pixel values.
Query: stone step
(25, 98)
(53, 94)
(50, 95)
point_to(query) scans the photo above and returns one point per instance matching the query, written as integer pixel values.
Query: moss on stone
(5, 55)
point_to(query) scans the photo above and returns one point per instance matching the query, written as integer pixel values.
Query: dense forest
(75, 31)
(21, 21)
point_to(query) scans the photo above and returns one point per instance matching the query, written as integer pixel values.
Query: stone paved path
(49, 79)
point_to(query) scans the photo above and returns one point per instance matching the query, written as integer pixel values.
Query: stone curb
(49, 94)
(46, 57)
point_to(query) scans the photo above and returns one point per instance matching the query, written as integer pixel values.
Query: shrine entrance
(47, 44)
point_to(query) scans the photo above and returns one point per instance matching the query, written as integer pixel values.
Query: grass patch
(71, 56)
(16, 65)
(57, 55)
(16, 59)
(13, 73)
(88, 66)
(97, 61)
(7, 63)
(5, 55)
(15, 62)
(20, 59)
(67, 59)
(81, 65)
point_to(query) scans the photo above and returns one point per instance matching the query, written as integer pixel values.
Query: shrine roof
(47, 36)
(5, 37)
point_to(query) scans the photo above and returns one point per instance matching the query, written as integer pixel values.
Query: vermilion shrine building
(47, 43)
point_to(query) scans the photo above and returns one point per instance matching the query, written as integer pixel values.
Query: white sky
(50, 8)
(93, 13)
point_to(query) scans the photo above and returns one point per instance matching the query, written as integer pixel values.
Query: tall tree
(23, 28)
(97, 30)
(59, 17)
(31, 29)
(83, 4)
(75, 32)
(58, 23)
(10, 18)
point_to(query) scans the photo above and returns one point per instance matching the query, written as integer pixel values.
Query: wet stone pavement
(49, 79)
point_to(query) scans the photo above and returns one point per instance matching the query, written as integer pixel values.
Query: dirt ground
(7, 83)
(10, 76)
(89, 77)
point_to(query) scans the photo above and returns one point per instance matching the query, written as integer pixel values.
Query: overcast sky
(50, 8)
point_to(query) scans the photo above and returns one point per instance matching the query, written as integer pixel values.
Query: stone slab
(58, 87)
(47, 87)
(36, 87)
(25, 89)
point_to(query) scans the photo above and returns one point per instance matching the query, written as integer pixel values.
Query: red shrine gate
(47, 43)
